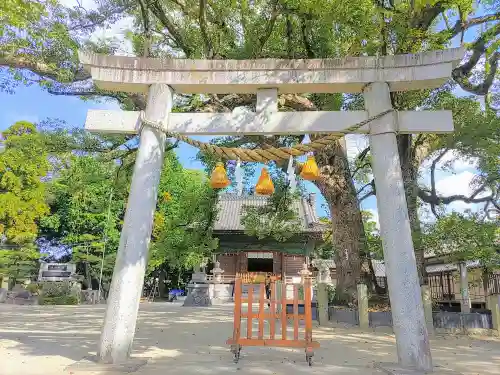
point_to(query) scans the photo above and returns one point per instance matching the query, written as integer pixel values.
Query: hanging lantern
(310, 170)
(219, 179)
(265, 185)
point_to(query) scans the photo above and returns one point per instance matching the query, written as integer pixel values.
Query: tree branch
(433, 179)
(33, 64)
(136, 100)
(157, 9)
(364, 187)
(268, 30)
(373, 191)
(429, 14)
(461, 73)
(99, 17)
(427, 197)
(367, 195)
(209, 52)
(360, 168)
(362, 154)
(305, 41)
(461, 26)
(147, 29)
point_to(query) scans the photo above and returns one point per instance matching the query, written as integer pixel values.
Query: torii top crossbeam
(348, 75)
(268, 78)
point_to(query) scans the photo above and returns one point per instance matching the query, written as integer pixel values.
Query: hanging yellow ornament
(219, 179)
(264, 185)
(310, 170)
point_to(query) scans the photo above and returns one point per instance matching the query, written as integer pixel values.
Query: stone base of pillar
(91, 365)
(395, 369)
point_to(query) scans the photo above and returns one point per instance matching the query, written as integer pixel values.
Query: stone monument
(198, 293)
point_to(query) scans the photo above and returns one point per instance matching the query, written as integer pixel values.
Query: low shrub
(34, 288)
(59, 293)
(59, 300)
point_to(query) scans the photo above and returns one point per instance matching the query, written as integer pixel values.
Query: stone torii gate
(374, 77)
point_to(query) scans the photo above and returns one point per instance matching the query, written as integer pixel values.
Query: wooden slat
(288, 301)
(273, 311)
(268, 316)
(276, 343)
(261, 315)
(283, 311)
(308, 311)
(237, 311)
(250, 310)
(295, 312)
(262, 298)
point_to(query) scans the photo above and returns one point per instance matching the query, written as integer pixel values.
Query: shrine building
(241, 254)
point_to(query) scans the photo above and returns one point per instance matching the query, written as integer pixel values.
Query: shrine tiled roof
(230, 212)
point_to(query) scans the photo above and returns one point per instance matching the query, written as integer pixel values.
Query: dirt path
(45, 340)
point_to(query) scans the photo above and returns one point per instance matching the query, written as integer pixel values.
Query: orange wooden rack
(275, 319)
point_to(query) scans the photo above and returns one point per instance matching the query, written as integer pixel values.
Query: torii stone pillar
(131, 261)
(373, 76)
(400, 264)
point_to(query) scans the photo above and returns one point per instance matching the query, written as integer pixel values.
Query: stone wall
(443, 321)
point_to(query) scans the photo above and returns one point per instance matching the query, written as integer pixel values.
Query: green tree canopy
(186, 210)
(23, 166)
(463, 237)
(87, 203)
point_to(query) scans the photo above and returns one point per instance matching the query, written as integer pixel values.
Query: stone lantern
(217, 272)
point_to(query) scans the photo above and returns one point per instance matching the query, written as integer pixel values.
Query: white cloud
(458, 184)
(116, 31)
(452, 160)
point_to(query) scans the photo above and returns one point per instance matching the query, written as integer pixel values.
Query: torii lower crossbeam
(242, 122)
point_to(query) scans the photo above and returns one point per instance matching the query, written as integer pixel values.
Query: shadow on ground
(44, 340)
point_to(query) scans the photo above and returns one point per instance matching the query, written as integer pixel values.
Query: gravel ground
(44, 340)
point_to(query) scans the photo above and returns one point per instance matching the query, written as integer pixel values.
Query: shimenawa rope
(261, 155)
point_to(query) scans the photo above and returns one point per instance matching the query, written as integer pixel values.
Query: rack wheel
(236, 353)
(309, 359)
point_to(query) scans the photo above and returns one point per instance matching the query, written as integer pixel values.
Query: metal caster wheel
(236, 354)
(309, 359)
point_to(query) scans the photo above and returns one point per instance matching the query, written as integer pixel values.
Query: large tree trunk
(410, 178)
(337, 187)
